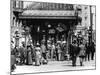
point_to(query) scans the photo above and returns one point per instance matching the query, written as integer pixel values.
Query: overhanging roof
(47, 17)
(48, 14)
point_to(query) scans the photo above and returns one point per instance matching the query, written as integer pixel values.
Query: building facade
(37, 21)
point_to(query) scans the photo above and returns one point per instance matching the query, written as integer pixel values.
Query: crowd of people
(85, 52)
(41, 53)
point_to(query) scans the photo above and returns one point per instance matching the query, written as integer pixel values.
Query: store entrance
(49, 29)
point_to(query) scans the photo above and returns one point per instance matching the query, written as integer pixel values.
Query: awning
(47, 17)
(53, 14)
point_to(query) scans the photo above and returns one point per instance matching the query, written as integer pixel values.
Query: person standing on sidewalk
(92, 50)
(73, 52)
(49, 46)
(22, 51)
(64, 49)
(13, 59)
(87, 51)
(43, 51)
(81, 53)
(52, 51)
(59, 52)
(29, 55)
(38, 55)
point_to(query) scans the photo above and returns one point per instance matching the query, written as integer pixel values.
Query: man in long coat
(88, 50)
(74, 52)
(92, 50)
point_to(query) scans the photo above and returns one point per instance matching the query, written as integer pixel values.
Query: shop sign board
(60, 29)
(49, 6)
(51, 31)
(48, 13)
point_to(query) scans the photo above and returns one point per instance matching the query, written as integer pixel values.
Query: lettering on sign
(48, 13)
(50, 6)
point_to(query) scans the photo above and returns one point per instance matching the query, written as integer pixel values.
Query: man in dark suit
(92, 50)
(73, 52)
(87, 46)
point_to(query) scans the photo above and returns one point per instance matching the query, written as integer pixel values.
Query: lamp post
(90, 35)
(90, 28)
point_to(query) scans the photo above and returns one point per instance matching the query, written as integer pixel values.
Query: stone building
(38, 21)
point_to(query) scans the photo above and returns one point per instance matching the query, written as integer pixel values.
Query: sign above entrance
(48, 13)
(49, 6)
(60, 29)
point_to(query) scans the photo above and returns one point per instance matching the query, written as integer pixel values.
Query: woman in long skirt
(59, 52)
(37, 56)
(82, 53)
(29, 56)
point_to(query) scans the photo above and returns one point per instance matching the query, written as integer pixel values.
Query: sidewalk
(54, 66)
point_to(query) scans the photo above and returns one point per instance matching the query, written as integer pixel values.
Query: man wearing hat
(73, 52)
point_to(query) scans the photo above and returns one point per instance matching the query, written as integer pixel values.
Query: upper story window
(17, 4)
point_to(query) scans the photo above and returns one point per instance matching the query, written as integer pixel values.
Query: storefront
(49, 23)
